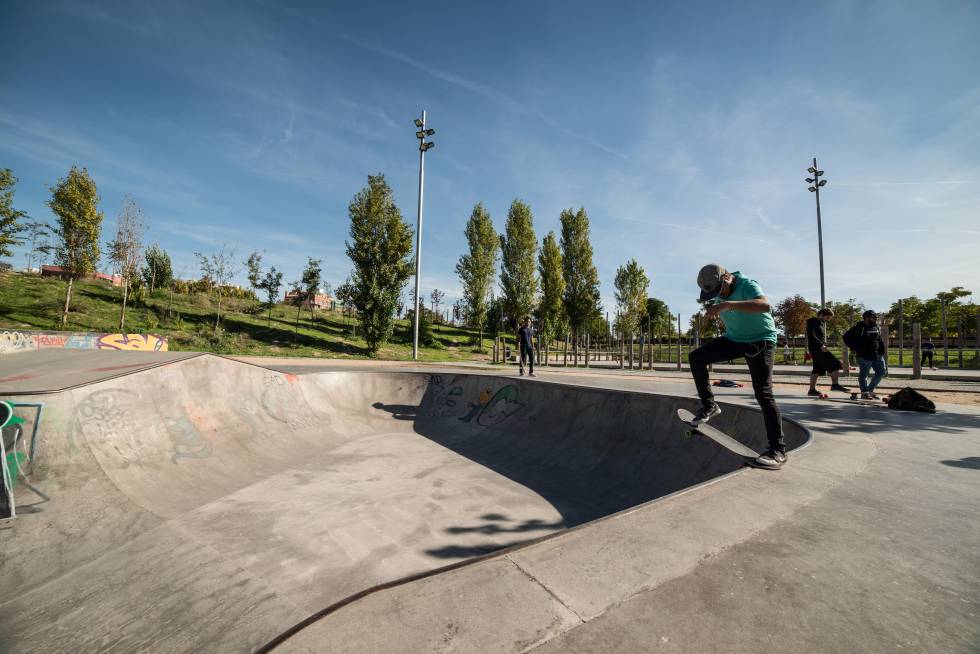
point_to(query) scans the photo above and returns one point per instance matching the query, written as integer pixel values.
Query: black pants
(926, 354)
(527, 352)
(759, 356)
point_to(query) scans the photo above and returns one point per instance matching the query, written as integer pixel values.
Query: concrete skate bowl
(210, 505)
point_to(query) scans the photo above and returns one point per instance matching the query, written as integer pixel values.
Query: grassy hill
(33, 302)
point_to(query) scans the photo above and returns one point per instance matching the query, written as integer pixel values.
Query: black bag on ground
(910, 399)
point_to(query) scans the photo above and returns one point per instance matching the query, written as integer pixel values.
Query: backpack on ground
(909, 399)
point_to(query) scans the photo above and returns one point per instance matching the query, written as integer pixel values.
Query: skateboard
(716, 435)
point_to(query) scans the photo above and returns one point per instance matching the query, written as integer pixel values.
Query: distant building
(320, 300)
(57, 271)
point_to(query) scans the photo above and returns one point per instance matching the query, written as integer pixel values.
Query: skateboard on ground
(716, 435)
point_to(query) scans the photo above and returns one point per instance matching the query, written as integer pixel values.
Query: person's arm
(755, 305)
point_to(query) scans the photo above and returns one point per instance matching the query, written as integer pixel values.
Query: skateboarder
(526, 341)
(865, 339)
(824, 362)
(750, 332)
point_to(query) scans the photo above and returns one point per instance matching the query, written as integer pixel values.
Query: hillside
(33, 302)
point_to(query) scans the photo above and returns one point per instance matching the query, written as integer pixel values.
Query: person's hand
(823, 348)
(715, 309)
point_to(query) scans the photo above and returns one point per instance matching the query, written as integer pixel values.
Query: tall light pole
(423, 146)
(816, 183)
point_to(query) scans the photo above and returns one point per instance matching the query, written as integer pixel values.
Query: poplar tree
(631, 296)
(476, 268)
(10, 224)
(75, 201)
(581, 297)
(380, 245)
(518, 270)
(551, 311)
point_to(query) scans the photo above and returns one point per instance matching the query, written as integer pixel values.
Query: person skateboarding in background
(824, 362)
(865, 339)
(526, 342)
(750, 332)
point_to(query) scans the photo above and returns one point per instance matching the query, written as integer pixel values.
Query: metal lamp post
(816, 183)
(423, 146)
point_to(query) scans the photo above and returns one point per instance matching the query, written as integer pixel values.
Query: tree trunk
(217, 316)
(122, 313)
(299, 307)
(269, 326)
(171, 304)
(64, 314)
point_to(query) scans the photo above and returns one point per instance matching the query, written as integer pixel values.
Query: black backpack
(909, 399)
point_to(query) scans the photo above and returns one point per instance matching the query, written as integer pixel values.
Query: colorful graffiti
(488, 408)
(136, 342)
(31, 341)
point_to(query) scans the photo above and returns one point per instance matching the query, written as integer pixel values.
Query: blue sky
(683, 128)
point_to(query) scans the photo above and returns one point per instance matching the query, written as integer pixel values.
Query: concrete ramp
(208, 505)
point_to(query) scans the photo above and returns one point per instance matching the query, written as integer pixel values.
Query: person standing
(928, 348)
(750, 332)
(865, 339)
(526, 342)
(824, 362)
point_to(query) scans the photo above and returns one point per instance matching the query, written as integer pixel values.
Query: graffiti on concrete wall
(29, 341)
(488, 408)
(138, 342)
(11, 341)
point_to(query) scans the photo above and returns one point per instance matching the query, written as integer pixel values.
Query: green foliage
(379, 249)
(792, 313)
(581, 297)
(37, 234)
(158, 272)
(219, 269)
(10, 224)
(551, 311)
(476, 268)
(518, 270)
(253, 266)
(271, 284)
(311, 281)
(631, 295)
(660, 321)
(426, 336)
(703, 327)
(75, 201)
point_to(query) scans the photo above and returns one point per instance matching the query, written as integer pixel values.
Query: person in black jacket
(525, 335)
(824, 362)
(865, 339)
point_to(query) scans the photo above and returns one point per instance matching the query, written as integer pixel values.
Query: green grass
(33, 302)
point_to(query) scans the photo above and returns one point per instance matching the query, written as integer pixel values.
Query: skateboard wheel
(688, 433)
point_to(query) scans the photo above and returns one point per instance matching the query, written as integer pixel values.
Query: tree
(658, 316)
(158, 271)
(380, 245)
(271, 284)
(791, 315)
(581, 296)
(476, 269)
(436, 297)
(518, 270)
(311, 279)
(219, 268)
(551, 311)
(10, 225)
(253, 266)
(37, 234)
(631, 295)
(75, 201)
(126, 249)
(345, 294)
(702, 327)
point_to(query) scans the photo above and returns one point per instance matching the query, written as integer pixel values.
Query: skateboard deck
(716, 435)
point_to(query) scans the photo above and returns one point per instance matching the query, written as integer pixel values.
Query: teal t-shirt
(744, 327)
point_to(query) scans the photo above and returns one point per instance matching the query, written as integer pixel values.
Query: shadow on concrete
(972, 462)
(398, 411)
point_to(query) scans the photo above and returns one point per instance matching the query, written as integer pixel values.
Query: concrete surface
(209, 505)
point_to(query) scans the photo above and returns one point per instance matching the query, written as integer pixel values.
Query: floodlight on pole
(423, 146)
(816, 183)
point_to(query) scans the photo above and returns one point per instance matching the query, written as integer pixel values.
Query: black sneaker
(770, 460)
(838, 387)
(813, 392)
(706, 413)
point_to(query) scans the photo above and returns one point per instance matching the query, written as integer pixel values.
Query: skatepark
(198, 503)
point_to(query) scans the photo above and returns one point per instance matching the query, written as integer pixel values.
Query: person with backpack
(865, 340)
